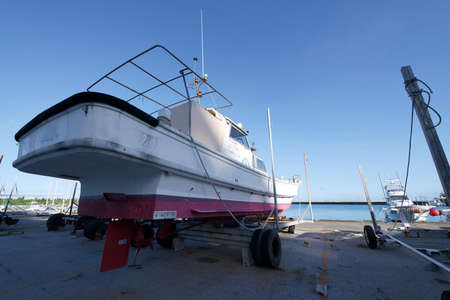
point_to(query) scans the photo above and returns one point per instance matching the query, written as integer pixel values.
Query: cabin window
(399, 198)
(238, 136)
(260, 165)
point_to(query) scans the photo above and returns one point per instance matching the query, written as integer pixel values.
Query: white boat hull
(413, 214)
(129, 169)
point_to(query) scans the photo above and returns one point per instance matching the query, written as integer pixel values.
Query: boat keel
(117, 245)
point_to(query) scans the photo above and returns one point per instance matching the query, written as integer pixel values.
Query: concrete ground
(57, 265)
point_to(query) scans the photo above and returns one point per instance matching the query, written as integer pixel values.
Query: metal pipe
(308, 191)
(369, 202)
(9, 199)
(157, 86)
(273, 171)
(134, 91)
(73, 197)
(190, 102)
(418, 252)
(174, 57)
(156, 78)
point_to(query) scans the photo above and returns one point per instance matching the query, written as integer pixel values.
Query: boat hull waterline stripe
(150, 207)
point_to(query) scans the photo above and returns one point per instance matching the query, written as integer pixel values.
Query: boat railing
(183, 74)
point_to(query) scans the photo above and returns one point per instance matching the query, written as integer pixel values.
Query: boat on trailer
(181, 161)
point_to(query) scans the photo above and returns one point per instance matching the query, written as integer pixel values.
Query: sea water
(357, 212)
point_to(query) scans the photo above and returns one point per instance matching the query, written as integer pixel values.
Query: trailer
(259, 242)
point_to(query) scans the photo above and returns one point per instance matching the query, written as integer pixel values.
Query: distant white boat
(400, 207)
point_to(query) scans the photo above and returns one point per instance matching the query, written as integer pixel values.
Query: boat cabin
(214, 131)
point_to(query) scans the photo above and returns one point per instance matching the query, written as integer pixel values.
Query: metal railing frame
(185, 71)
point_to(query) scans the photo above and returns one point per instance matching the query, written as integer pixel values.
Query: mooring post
(431, 136)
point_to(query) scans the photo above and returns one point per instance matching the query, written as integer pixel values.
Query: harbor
(287, 150)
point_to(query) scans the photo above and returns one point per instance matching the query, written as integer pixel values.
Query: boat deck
(47, 265)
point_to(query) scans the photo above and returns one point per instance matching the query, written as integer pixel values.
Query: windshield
(238, 136)
(260, 165)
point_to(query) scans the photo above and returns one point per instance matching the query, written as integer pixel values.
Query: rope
(242, 225)
(408, 164)
(409, 152)
(427, 105)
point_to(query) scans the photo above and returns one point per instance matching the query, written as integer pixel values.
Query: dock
(59, 265)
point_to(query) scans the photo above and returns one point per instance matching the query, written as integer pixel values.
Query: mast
(431, 136)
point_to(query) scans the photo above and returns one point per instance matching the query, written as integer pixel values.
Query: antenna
(203, 55)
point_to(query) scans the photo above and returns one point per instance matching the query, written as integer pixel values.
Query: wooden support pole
(369, 202)
(434, 144)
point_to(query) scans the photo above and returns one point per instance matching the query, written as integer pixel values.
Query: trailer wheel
(54, 222)
(82, 221)
(255, 246)
(10, 221)
(291, 229)
(168, 241)
(271, 248)
(370, 237)
(95, 229)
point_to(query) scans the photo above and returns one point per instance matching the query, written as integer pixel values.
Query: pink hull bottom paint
(149, 207)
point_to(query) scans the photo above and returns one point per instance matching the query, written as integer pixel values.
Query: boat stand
(4, 217)
(93, 228)
(254, 243)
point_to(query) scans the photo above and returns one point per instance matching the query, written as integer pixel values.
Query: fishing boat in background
(400, 207)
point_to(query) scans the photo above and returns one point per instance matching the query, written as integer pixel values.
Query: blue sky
(328, 70)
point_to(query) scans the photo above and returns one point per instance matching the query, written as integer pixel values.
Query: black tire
(255, 246)
(95, 229)
(10, 221)
(148, 234)
(370, 237)
(56, 221)
(168, 241)
(82, 221)
(291, 229)
(271, 248)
